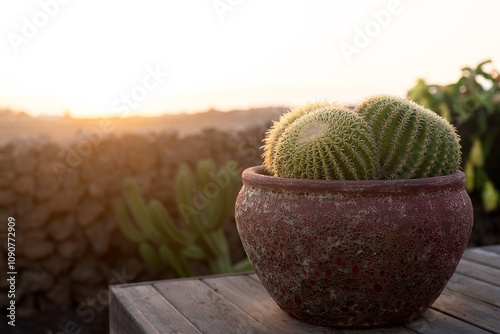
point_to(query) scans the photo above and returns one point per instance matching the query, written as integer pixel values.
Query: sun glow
(117, 59)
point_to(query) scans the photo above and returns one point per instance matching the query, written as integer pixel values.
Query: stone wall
(68, 245)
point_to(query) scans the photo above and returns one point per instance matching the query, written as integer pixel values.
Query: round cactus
(412, 141)
(326, 142)
(274, 133)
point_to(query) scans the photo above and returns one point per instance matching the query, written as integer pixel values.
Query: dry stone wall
(68, 245)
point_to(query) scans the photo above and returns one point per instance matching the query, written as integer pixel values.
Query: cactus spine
(321, 141)
(412, 141)
(274, 133)
(204, 201)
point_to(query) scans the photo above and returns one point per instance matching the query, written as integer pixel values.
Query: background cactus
(412, 141)
(321, 141)
(205, 202)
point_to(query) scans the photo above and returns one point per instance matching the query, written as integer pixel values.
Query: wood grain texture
(238, 303)
(251, 297)
(123, 316)
(470, 287)
(494, 249)
(473, 311)
(483, 256)
(208, 310)
(479, 271)
(435, 322)
(156, 312)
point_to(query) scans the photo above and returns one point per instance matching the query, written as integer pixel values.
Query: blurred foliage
(472, 104)
(205, 200)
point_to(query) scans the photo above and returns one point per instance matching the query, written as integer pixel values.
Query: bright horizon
(123, 58)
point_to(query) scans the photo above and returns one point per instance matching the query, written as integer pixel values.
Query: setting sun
(85, 58)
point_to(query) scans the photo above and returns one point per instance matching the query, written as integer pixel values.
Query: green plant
(412, 142)
(473, 105)
(205, 202)
(385, 137)
(321, 141)
(274, 133)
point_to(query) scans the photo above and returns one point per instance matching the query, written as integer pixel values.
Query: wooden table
(238, 303)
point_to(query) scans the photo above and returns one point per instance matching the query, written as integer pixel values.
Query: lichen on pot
(353, 253)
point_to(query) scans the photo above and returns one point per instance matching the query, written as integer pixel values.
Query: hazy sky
(117, 58)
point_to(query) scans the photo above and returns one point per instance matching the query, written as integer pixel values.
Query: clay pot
(353, 253)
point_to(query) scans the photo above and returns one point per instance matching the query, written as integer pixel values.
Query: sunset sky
(120, 58)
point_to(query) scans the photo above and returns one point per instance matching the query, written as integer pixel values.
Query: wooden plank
(435, 322)
(206, 309)
(479, 271)
(156, 312)
(124, 318)
(263, 309)
(381, 330)
(239, 304)
(254, 277)
(260, 306)
(489, 274)
(494, 248)
(483, 256)
(469, 310)
(473, 288)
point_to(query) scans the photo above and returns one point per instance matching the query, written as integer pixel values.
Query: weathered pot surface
(353, 253)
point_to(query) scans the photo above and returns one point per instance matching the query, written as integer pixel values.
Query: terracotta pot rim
(257, 176)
